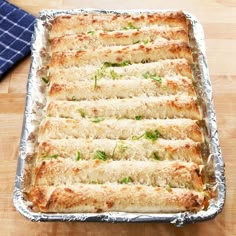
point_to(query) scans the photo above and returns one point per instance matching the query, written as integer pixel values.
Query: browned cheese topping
(123, 126)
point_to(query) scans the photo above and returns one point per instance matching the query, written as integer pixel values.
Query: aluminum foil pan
(34, 110)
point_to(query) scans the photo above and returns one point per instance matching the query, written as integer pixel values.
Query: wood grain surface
(218, 18)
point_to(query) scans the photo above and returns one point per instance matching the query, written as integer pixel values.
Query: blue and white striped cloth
(16, 28)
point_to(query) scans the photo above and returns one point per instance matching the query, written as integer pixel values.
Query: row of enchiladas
(123, 126)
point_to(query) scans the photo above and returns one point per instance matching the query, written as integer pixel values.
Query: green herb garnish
(51, 156)
(148, 75)
(145, 75)
(145, 61)
(98, 75)
(109, 64)
(138, 117)
(97, 119)
(45, 80)
(168, 187)
(113, 152)
(125, 63)
(138, 41)
(92, 32)
(131, 26)
(95, 81)
(81, 112)
(156, 157)
(122, 147)
(74, 98)
(101, 155)
(146, 41)
(126, 180)
(156, 78)
(137, 137)
(116, 64)
(102, 71)
(152, 135)
(114, 75)
(78, 156)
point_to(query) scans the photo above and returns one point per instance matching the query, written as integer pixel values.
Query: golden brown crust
(121, 89)
(114, 197)
(100, 39)
(103, 89)
(56, 128)
(176, 174)
(146, 107)
(119, 54)
(177, 70)
(142, 150)
(73, 24)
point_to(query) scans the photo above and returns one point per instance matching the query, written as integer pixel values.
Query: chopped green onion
(138, 117)
(138, 41)
(145, 61)
(114, 75)
(122, 147)
(156, 157)
(125, 63)
(168, 188)
(97, 119)
(78, 156)
(45, 80)
(95, 80)
(137, 137)
(146, 41)
(148, 75)
(82, 113)
(126, 180)
(145, 75)
(109, 64)
(101, 155)
(113, 152)
(74, 98)
(131, 26)
(51, 156)
(91, 32)
(98, 75)
(152, 135)
(102, 71)
(115, 64)
(156, 78)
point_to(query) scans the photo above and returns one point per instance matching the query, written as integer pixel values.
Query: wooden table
(218, 18)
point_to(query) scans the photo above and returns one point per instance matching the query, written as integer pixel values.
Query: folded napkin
(16, 28)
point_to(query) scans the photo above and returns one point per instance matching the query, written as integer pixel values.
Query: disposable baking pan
(34, 111)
